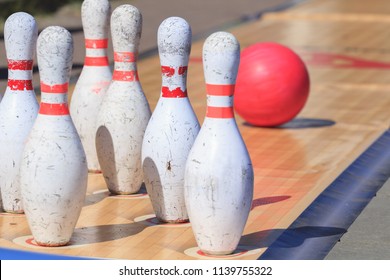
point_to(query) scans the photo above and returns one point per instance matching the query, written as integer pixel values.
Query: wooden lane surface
(346, 111)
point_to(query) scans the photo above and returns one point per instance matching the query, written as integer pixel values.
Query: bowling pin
(19, 107)
(95, 76)
(173, 126)
(219, 173)
(125, 112)
(54, 168)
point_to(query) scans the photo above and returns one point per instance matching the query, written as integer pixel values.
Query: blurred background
(32, 6)
(204, 17)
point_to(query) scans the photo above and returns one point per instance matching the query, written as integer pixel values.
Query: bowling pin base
(94, 171)
(20, 212)
(217, 253)
(113, 192)
(44, 244)
(178, 221)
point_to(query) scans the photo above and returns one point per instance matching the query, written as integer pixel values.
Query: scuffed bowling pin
(54, 169)
(95, 76)
(19, 107)
(124, 112)
(219, 173)
(173, 126)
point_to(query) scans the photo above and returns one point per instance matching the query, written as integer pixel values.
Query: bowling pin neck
(174, 47)
(20, 75)
(221, 58)
(96, 52)
(95, 16)
(125, 67)
(220, 101)
(174, 41)
(55, 55)
(126, 29)
(20, 36)
(174, 81)
(54, 99)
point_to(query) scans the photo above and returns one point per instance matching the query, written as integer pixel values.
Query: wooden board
(347, 110)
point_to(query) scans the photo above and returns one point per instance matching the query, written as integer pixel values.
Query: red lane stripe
(31, 241)
(125, 76)
(196, 59)
(96, 61)
(20, 84)
(220, 90)
(57, 109)
(62, 88)
(20, 64)
(220, 112)
(125, 57)
(176, 93)
(96, 43)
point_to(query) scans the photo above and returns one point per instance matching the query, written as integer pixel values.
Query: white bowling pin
(95, 76)
(19, 107)
(54, 169)
(219, 173)
(173, 126)
(125, 112)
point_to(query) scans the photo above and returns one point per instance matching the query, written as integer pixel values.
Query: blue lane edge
(15, 254)
(321, 225)
(314, 233)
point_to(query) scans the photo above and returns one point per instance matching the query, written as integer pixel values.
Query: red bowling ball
(272, 85)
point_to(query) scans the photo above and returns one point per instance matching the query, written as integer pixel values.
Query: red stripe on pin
(124, 57)
(182, 70)
(62, 88)
(170, 71)
(220, 90)
(125, 76)
(96, 43)
(96, 61)
(20, 64)
(220, 112)
(167, 71)
(56, 109)
(20, 84)
(175, 93)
